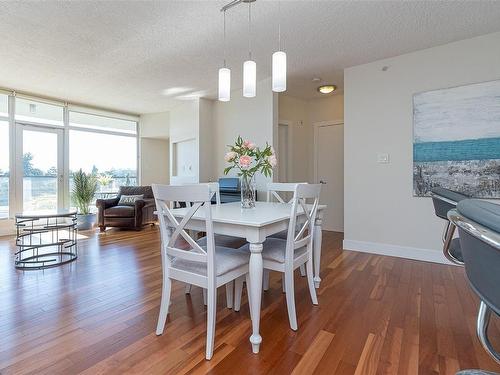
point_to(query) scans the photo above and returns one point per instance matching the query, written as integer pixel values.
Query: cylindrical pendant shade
(279, 71)
(249, 78)
(224, 84)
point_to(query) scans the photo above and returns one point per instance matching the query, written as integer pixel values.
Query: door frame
(289, 125)
(316, 126)
(61, 163)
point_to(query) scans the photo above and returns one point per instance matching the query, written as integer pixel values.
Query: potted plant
(84, 189)
(248, 159)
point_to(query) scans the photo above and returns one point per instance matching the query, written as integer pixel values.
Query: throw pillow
(129, 200)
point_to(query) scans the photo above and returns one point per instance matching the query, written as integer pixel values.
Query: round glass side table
(45, 239)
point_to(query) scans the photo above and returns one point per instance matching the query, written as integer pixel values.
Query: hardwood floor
(376, 315)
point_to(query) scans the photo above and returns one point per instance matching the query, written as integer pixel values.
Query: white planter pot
(86, 222)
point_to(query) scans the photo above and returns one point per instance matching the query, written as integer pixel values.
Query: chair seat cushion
(226, 260)
(120, 211)
(224, 241)
(274, 250)
(482, 212)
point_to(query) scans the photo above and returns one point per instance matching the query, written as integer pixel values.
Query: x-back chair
(207, 266)
(287, 255)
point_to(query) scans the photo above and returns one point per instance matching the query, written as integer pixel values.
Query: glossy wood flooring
(377, 315)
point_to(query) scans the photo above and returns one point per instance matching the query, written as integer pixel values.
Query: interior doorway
(329, 171)
(284, 140)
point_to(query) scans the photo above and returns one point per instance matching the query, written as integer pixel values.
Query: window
(113, 158)
(4, 169)
(42, 113)
(85, 120)
(45, 140)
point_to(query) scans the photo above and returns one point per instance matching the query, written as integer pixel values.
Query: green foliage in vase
(248, 159)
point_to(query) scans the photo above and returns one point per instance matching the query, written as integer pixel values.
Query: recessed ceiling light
(326, 89)
(316, 79)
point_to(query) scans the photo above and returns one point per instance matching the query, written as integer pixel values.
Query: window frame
(15, 197)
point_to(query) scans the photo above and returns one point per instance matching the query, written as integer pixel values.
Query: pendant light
(249, 66)
(279, 62)
(224, 74)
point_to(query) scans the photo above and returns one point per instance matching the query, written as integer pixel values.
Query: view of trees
(105, 177)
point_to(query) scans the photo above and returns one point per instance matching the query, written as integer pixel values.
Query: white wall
(154, 161)
(184, 127)
(206, 130)
(293, 111)
(154, 125)
(302, 115)
(252, 118)
(154, 148)
(381, 214)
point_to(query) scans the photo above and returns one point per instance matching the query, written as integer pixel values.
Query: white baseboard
(407, 252)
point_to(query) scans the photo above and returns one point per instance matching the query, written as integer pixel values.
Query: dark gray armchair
(111, 214)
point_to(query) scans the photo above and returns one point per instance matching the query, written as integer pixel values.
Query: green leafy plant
(249, 159)
(104, 179)
(84, 189)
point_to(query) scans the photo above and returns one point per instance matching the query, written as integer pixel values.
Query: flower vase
(247, 185)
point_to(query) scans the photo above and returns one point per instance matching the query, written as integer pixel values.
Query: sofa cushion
(120, 211)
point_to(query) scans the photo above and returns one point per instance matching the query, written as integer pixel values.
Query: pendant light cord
(224, 38)
(250, 30)
(279, 25)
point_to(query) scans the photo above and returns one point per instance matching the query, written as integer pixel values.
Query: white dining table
(255, 225)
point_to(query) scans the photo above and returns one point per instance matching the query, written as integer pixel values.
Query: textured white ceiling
(145, 56)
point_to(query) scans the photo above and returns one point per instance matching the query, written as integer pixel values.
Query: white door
(40, 183)
(282, 153)
(329, 171)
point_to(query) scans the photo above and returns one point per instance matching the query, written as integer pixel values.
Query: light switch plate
(383, 158)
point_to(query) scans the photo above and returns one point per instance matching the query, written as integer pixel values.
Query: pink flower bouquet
(248, 159)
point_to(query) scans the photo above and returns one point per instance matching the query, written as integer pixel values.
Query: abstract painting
(456, 140)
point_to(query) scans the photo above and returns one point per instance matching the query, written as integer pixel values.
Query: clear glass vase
(247, 185)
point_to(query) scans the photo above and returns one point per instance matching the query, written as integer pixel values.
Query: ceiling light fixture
(279, 61)
(224, 74)
(249, 66)
(326, 89)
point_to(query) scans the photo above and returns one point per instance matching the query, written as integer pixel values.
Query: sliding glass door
(39, 158)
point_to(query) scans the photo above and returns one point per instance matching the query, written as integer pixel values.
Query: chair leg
(211, 310)
(247, 282)
(290, 299)
(283, 283)
(265, 282)
(229, 294)
(238, 290)
(204, 296)
(310, 282)
(187, 290)
(164, 304)
(302, 270)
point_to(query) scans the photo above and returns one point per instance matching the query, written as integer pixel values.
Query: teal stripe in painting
(469, 149)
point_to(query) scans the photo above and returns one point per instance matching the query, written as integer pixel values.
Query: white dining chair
(287, 255)
(220, 240)
(273, 195)
(207, 266)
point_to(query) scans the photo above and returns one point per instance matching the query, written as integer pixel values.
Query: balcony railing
(40, 192)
